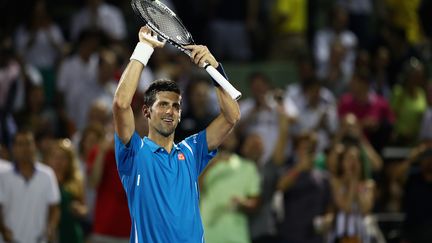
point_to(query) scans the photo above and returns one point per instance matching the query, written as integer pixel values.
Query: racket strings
(164, 21)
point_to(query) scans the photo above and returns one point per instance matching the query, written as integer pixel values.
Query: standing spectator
(409, 103)
(229, 25)
(371, 110)
(426, 128)
(360, 16)
(77, 78)
(258, 116)
(111, 220)
(98, 15)
(29, 195)
(63, 161)
(230, 190)
(198, 113)
(318, 111)
(306, 194)
(353, 196)
(290, 26)
(379, 71)
(40, 42)
(418, 198)
(335, 49)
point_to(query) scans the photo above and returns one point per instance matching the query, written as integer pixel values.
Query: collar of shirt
(155, 147)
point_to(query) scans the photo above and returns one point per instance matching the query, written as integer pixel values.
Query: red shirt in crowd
(111, 216)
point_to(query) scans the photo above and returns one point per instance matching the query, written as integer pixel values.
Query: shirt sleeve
(125, 153)
(254, 188)
(197, 144)
(53, 192)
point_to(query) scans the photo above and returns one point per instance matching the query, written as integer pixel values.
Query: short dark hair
(159, 86)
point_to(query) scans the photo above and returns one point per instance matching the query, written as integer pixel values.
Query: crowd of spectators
(308, 161)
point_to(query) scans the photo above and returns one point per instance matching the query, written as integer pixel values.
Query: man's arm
(53, 220)
(220, 127)
(4, 230)
(124, 122)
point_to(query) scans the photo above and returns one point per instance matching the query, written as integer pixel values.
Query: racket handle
(227, 86)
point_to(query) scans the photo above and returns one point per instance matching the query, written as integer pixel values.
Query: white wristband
(142, 53)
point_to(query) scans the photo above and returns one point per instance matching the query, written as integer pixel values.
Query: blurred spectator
(230, 191)
(306, 194)
(15, 79)
(404, 14)
(4, 153)
(417, 172)
(289, 25)
(29, 195)
(360, 19)
(99, 15)
(5, 165)
(350, 133)
(111, 221)
(353, 196)
(229, 26)
(400, 50)
(318, 111)
(36, 115)
(92, 135)
(426, 22)
(409, 103)
(198, 113)
(426, 128)
(78, 78)
(258, 115)
(335, 51)
(371, 110)
(62, 159)
(379, 72)
(40, 42)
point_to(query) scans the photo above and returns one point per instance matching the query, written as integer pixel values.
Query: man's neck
(165, 142)
(26, 169)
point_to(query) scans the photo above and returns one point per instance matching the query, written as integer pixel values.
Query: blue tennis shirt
(162, 188)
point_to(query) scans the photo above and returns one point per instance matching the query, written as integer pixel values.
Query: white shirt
(322, 47)
(309, 117)
(426, 126)
(26, 203)
(109, 18)
(265, 124)
(42, 53)
(78, 82)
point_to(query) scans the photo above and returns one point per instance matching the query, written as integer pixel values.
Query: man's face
(24, 148)
(164, 115)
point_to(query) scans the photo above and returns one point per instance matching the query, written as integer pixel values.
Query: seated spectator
(63, 161)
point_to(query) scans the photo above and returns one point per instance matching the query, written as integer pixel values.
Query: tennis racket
(169, 27)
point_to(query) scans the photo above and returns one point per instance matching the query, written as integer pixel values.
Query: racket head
(163, 21)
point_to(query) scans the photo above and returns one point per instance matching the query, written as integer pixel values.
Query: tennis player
(161, 178)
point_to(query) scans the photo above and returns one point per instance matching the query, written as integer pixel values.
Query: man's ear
(146, 111)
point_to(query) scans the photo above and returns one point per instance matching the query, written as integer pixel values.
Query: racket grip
(227, 86)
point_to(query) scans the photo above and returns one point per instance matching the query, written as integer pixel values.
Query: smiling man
(161, 178)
